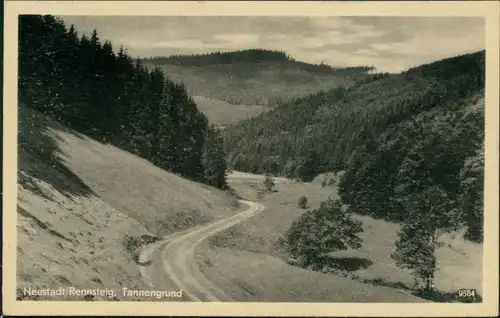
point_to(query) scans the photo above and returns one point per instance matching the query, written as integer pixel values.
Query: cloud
(237, 39)
(187, 44)
(389, 43)
(428, 44)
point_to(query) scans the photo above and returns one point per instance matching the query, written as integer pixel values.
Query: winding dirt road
(177, 255)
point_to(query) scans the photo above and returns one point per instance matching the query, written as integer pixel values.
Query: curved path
(179, 262)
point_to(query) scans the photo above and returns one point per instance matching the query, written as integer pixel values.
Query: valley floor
(248, 256)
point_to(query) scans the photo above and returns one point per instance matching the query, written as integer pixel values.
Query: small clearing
(222, 113)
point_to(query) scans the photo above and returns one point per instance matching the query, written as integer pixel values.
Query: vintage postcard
(251, 158)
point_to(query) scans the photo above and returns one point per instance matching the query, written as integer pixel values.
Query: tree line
(214, 58)
(83, 83)
(253, 56)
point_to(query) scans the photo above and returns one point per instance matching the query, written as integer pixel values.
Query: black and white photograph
(252, 159)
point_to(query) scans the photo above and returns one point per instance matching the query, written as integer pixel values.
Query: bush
(303, 202)
(321, 231)
(134, 244)
(269, 183)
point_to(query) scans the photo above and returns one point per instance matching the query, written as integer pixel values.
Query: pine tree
(471, 196)
(213, 160)
(137, 118)
(155, 115)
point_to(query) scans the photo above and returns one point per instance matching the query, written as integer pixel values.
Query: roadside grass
(261, 232)
(258, 277)
(459, 261)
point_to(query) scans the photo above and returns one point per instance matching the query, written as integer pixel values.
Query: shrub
(303, 202)
(133, 244)
(321, 231)
(324, 183)
(269, 183)
(260, 195)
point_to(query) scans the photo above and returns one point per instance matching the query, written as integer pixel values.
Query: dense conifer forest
(85, 84)
(399, 138)
(250, 56)
(241, 56)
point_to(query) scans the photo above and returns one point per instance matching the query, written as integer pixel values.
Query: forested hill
(251, 56)
(253, 76)
(83, 83)
(241, 56)
(393, 135)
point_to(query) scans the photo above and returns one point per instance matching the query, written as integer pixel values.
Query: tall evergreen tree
(471, 196)
(213, 159)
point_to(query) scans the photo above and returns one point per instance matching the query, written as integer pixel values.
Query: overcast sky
(391, 44)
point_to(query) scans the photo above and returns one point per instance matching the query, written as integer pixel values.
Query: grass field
(84, 208)
(248, 276)
(222, 113)
(460, 262)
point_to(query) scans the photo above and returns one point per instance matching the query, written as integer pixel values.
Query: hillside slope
(221, 113)
(332, 124)
(107, 96)
(252, 77)
(84, 208)
(394, 135)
